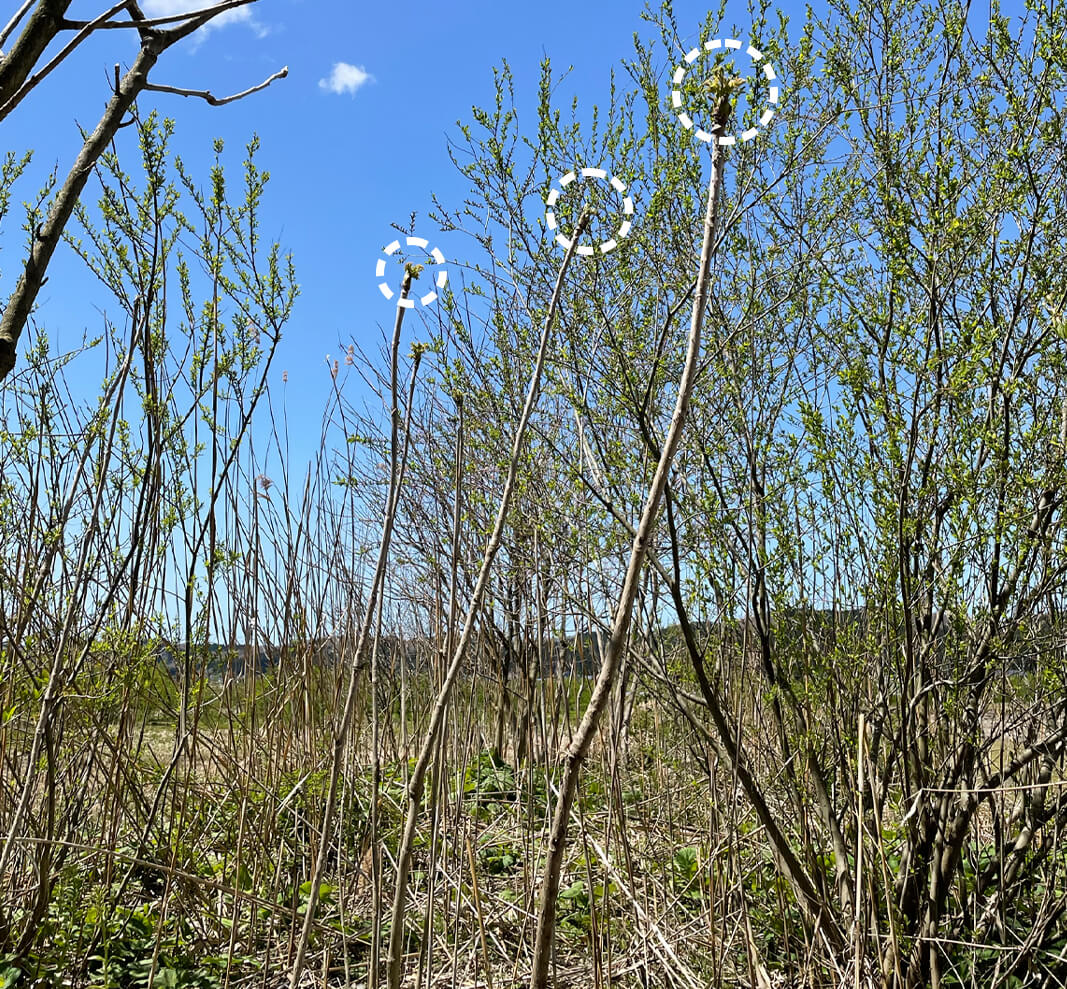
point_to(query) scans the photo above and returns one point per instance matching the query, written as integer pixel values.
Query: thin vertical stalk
(860, 939)
(396, 476)
(418, 775)
(376, 785)
(576, 752)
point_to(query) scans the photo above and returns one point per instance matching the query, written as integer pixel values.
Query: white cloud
(345, 78)
(239, 15)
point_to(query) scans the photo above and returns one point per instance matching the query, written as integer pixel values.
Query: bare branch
(40, 32)
(20, 305)
(44, 24)
(215, 100)
(13, 23)
(151, 22)
(197, 20)
(27, 86)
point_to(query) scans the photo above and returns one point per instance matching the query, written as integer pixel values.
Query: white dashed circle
(679, 76)
(627, 208)
(440, 280)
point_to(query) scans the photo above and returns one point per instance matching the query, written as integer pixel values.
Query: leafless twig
(215, 100)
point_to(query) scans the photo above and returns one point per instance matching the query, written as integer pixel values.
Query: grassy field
(187, 864)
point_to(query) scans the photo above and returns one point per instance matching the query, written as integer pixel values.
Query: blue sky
(355, 137)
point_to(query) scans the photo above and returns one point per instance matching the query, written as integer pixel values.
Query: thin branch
(44, 23)
(150, 22)
(13, 23)
(153, 43)
(47, 237)
(215, 100)
(197, 19)
(33, 80)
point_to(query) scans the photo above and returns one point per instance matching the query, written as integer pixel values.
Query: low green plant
(500, 858)
(577, 902)
(573, 912)
(489, 779)
(132, 947)
(689, 880)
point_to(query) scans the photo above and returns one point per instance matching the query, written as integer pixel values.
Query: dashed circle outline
(679, 75)
(589, 173)
(441, 280)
